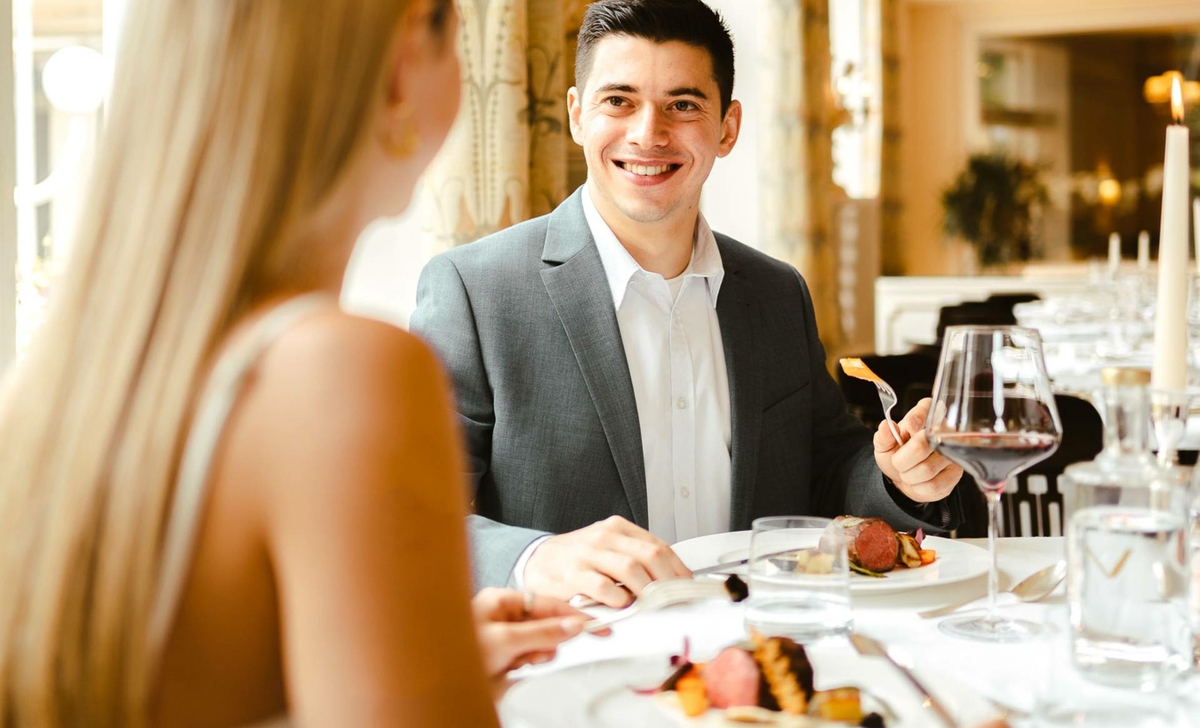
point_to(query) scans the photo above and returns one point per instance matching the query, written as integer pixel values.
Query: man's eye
(685, 106)
(614, 101)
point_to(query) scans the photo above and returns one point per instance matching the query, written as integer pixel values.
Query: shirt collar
(620, 267)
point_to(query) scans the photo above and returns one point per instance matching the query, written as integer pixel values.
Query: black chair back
(977, 313)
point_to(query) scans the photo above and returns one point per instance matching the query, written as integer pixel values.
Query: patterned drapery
(796, 153)
(505, 159)
(889, 186)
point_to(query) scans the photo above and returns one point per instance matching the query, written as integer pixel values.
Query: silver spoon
(1037, 585)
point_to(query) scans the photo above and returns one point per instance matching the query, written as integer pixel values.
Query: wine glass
(993, 413)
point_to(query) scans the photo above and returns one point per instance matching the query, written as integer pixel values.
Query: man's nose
(649, 128)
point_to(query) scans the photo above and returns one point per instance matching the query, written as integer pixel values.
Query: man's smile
(647, 172)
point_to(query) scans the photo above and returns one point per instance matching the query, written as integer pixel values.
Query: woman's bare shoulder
(345, 399)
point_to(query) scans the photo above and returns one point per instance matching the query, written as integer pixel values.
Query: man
(626, 377)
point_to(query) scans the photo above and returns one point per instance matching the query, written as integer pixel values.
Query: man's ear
(731, 126)
(574, 113)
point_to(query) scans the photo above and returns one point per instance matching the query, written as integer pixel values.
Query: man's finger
(915, 451)
(883, 441)
(602, 588)
(622, 567)
(656, 557)
(933, 490)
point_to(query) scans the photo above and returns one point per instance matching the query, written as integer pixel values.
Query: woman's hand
(517, 628)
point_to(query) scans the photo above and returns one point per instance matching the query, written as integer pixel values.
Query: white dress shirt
(672, 342)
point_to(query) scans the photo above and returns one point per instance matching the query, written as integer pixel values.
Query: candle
(1143, 250)
(1114, 252)
(1170, 320)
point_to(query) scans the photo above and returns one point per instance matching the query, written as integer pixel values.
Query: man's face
(649, 121)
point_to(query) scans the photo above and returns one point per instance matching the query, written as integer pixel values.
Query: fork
(854, 367)
(664, 593)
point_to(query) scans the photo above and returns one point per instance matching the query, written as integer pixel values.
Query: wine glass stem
(993, 498)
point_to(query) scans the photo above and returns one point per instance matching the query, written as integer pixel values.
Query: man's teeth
(645, 171)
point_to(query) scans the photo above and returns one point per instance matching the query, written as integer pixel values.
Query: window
(55, 91)
(856, 67)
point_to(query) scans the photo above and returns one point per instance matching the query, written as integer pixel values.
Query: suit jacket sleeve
(846, 479)
(444, 318)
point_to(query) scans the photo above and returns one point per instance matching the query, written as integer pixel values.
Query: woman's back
(331, 516)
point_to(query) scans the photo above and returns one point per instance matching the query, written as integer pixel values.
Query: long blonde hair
(230, 119)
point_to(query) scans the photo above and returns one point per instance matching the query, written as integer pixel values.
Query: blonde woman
(221, 499)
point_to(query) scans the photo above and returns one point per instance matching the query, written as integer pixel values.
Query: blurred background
(904, 155)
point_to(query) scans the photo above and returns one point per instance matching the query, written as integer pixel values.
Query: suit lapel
(579, 291)
(737, 312)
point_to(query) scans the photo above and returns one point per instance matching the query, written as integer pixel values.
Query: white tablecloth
(1011, 674)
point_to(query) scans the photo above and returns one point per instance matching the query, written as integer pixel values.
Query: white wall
(730, 196)
(381, 280)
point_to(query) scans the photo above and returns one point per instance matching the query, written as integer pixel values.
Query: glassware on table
(993, 413)
(1126, 549)
(1127, 586)
(1126, 456)
(799, 578)
(1064, 698)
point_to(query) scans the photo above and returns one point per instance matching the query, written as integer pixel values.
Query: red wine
(993, 457)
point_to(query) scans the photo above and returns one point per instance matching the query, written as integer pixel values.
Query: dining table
(1012, 681)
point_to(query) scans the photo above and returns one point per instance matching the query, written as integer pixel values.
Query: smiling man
(626, 377)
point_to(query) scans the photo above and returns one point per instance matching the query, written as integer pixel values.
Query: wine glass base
(983, 629)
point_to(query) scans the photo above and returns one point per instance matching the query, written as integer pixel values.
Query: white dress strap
(224, 386)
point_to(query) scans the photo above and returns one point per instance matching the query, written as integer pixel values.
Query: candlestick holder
(1169, 414)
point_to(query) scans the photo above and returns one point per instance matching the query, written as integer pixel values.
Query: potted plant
(992, 204)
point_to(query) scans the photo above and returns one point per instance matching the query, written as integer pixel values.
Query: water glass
(799, 578)
(1064, 698)
(1127, 582)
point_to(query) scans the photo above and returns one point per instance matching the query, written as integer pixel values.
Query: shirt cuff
(517, 579)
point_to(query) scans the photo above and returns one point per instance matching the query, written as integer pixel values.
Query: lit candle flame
(1176, 100)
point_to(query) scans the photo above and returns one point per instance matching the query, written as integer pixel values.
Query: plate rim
(880, 586)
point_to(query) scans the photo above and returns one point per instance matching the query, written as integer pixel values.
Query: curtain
(796, 152)
(889, 186)
(505, 158)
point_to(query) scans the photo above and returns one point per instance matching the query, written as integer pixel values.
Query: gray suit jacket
(524, 321)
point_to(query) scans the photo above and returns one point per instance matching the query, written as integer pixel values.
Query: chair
(977, 313)
(1034, 507)
(1008, 300)
(899, 370)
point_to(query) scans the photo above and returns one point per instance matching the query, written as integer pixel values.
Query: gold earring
(402, 143)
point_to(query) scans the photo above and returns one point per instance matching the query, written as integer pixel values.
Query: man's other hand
(595, 560)
(912, 465)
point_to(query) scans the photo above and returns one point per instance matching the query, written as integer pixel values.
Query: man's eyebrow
(688, 91)
(621, 87)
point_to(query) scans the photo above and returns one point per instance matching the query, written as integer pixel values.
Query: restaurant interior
(1032, 166)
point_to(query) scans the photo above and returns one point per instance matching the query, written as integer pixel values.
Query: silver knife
(873, 648)
(728, 566)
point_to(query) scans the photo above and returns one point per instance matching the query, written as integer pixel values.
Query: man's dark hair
(687, 21)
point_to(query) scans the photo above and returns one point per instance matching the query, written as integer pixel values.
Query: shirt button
(684, 492)
(682, 403)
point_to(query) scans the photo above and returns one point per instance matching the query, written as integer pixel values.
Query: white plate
(956, 561)
(598, 695)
